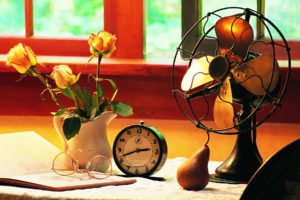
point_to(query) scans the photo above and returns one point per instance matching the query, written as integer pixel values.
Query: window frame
(191, 12)
(125, 20)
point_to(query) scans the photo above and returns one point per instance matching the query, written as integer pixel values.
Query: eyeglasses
(66, 164)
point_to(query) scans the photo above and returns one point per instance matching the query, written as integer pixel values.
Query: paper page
(25, 153)
(77, 180)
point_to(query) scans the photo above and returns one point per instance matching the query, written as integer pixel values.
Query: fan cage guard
(177, 93)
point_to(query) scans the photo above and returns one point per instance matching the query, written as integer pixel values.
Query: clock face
(139, 150)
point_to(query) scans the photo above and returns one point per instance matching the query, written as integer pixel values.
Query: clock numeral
(156, 151)
(153, 162)
(128, 132)
(121, 160)
(154, 141)
(136, 172)
(148, 133)
(122, 140)
(119, 149)
(139, 130)
(146, 169)
(128, 167)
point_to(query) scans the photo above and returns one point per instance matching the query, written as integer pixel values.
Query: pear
(193, 173)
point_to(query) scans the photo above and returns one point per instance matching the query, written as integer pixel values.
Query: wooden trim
(191, 11)
(110, 66)
(150, 95)
(48, 46)
(28, 18)
(122, 18)
(125, 19)
(260, 29)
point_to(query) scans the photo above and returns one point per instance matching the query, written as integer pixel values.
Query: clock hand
(136, 151)
(145, 149)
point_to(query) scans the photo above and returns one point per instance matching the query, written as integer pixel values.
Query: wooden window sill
(109, 66)
(113, 66)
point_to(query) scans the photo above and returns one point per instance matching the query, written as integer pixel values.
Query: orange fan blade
(223, 108)
(258, 75)
(197, 74)
(234, 32)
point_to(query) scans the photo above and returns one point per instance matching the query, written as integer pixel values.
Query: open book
(26, 160)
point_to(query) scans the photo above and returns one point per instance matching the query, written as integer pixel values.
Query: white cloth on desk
(143, 189)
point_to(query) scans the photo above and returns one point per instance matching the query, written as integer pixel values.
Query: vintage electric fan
(230, 77)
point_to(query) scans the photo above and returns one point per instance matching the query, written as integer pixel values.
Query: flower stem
(41, 78)
(71, 89)
(98, 71)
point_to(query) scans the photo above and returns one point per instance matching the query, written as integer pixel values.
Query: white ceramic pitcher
(90, 141)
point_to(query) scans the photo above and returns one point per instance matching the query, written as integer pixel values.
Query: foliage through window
(67, 18)
(286, 16)
(12, 18)
(72, 19)
(52, 17)
(163, 28)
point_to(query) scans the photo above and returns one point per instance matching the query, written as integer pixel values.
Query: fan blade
(197, 74)
(234, 35)
(259, 75)
(223, 108)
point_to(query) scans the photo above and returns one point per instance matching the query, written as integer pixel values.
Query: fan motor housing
(218, 68)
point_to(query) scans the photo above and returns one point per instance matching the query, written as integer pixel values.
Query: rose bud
(21, 57)
(63, 76)
(102, 43)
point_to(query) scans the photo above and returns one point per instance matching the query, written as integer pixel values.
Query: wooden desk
(143, 189)
(182, 137)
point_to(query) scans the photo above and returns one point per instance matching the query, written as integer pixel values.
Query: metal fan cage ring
(177, 93)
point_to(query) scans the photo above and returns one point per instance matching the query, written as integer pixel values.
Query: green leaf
(67, 92)
(60, 112)
(114, 86)
(77, 77)
(100, 91)
(112, 83)
(78, 92)
(80, 112)
(95, 105)
(91, 58)
(122, 109)
(95, 102)
(71, 127)
(80, 95)
(88, 100)
(103, 106)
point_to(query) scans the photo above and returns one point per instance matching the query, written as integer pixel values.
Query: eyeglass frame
(76, 168)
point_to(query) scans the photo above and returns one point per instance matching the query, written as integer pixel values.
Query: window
(42, 25)
(12, 20)
(67, 18)
(163, 22)
(285, 18)
(47, 34)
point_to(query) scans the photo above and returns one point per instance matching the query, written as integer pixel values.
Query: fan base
(216, 179)
(244, 159)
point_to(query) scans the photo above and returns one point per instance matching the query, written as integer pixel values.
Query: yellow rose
(63, 76)
(103, 43)
(21, 57)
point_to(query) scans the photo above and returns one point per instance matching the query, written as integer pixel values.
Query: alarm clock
(139, 150)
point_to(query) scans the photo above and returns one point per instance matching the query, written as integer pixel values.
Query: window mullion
(260, 31)
(28, 18)
(191, 12)
(125, 19)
